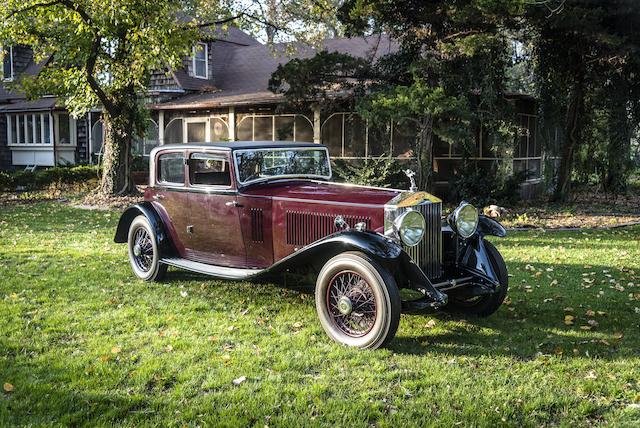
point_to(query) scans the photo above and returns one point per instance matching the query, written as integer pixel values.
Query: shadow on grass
(532, 324)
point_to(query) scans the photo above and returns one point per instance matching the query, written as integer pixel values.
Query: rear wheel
(484, 306)
(143, 251)
(357, 301)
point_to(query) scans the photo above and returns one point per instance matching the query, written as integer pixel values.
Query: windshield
(262, 164)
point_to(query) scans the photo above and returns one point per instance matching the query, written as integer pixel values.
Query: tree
(101, 53)
(586, 51)
(449, 68)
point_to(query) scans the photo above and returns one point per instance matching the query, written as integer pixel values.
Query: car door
(172, 195)
(215, 218)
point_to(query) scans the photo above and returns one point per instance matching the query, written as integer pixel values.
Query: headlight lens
(466, 219)
(410, 227)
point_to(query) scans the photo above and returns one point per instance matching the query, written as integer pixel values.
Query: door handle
(233, 204)
(158, 197)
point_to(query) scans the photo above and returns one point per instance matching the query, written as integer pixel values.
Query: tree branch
(93, 83)
(32, 7)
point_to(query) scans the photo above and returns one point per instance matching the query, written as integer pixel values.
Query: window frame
(10, 51)
(216, 155)
(156, 171)
(284, 176)
(36, 134)
(206, 60)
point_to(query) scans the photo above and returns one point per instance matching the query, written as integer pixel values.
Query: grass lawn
(84, 343)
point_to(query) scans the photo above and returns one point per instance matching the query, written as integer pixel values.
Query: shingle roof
(241, 73)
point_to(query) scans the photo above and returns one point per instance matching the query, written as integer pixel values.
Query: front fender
(376, 246)
(489, 226)
(146, 209)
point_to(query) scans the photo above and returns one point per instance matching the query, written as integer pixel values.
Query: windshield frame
(283, 176)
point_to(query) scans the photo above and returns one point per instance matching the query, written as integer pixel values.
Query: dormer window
(7, 62)
(200, 61)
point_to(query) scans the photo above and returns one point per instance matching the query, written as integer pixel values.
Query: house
(221, 94)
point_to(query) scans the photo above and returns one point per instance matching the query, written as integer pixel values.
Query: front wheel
(484, 306)
(143, 251)
(357, 301)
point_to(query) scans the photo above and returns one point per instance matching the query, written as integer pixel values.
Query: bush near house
(40, 179)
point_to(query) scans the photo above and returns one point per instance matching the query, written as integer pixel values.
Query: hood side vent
(257, 225)
(304, 228)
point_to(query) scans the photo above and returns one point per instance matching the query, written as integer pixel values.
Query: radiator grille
(428, 253)
(257, 232)
(306, 227)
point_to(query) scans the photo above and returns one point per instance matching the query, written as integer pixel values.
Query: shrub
(481, 189)
(41, 179)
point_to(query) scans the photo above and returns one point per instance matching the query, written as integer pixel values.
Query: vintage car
(268, 212)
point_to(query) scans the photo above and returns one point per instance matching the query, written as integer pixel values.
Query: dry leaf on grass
(568, 319)
(116, 350)
(7, 387)
(239, 380)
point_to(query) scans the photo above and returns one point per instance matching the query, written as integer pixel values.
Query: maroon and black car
(268, 211)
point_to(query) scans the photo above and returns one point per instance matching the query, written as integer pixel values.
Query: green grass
(84, 343)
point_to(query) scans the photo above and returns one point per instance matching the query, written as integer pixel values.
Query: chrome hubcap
(137, 251)
(344, 305)
(142, 249)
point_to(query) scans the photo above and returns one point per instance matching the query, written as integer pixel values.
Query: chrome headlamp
(410, 227)
(464, 220)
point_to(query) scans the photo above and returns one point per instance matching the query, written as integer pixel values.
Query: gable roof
(241, 73)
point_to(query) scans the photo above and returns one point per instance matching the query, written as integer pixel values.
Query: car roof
(240, 145)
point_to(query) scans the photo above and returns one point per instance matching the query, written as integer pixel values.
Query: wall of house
(22, 56)
(5, 153)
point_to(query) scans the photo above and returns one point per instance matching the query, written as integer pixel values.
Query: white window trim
(206, 60)
(73, 136)
(5, 78)
(22, 130)
(204, 120)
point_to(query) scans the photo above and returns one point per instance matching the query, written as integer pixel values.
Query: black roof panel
(243, 145)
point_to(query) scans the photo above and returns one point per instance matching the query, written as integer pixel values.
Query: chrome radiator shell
(428, 253)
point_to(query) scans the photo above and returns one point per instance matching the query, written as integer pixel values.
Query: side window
(170, 167)
(209, 170)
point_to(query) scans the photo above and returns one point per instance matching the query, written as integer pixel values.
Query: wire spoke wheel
(142, 249)
(351, 303)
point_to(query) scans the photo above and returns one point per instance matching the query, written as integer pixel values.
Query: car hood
(323, 191)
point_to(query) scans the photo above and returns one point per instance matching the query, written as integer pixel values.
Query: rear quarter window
(170, 168)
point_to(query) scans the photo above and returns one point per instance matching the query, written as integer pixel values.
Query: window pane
(379, 140)
(173, 132)
(63, 129)
(332, 135)
(244, 130)
(6, 63)
(14, 129)
(97, 137)
(354, 136)
(304, 129)
(201, 68)
(218, 129)
(284, 128)
(38, 128)
(263, 128)
(29, 129)
(257, 165)
(206, 169)
(47, 129)
(150, 138)
(534, 169)
(171, 168)
(196, 132)
(200, 51)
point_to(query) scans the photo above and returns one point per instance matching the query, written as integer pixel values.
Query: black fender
(145, 208)
(387, 252)
(489, 226)
(380, 248)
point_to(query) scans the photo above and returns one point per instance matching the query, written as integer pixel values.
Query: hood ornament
(411, 176)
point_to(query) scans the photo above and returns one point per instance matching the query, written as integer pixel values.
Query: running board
(212, 270)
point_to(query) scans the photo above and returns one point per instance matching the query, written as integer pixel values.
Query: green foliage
(39, 179)
(482, 188)
(382, 171)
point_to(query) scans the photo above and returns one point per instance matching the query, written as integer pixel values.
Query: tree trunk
(424, 154)
(117, 177)
(619, 146)
(573, 137)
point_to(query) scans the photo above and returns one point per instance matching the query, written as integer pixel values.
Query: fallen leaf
(568, 319)
(231, 328)
(590, 313)
(7, 387)
(297, 324)
(592, 323)
(430, 324)
(116, 350)
(239, 380)
(568, 309)
(184, 293)
(226, 357)
(169, 348)
(591, 375)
